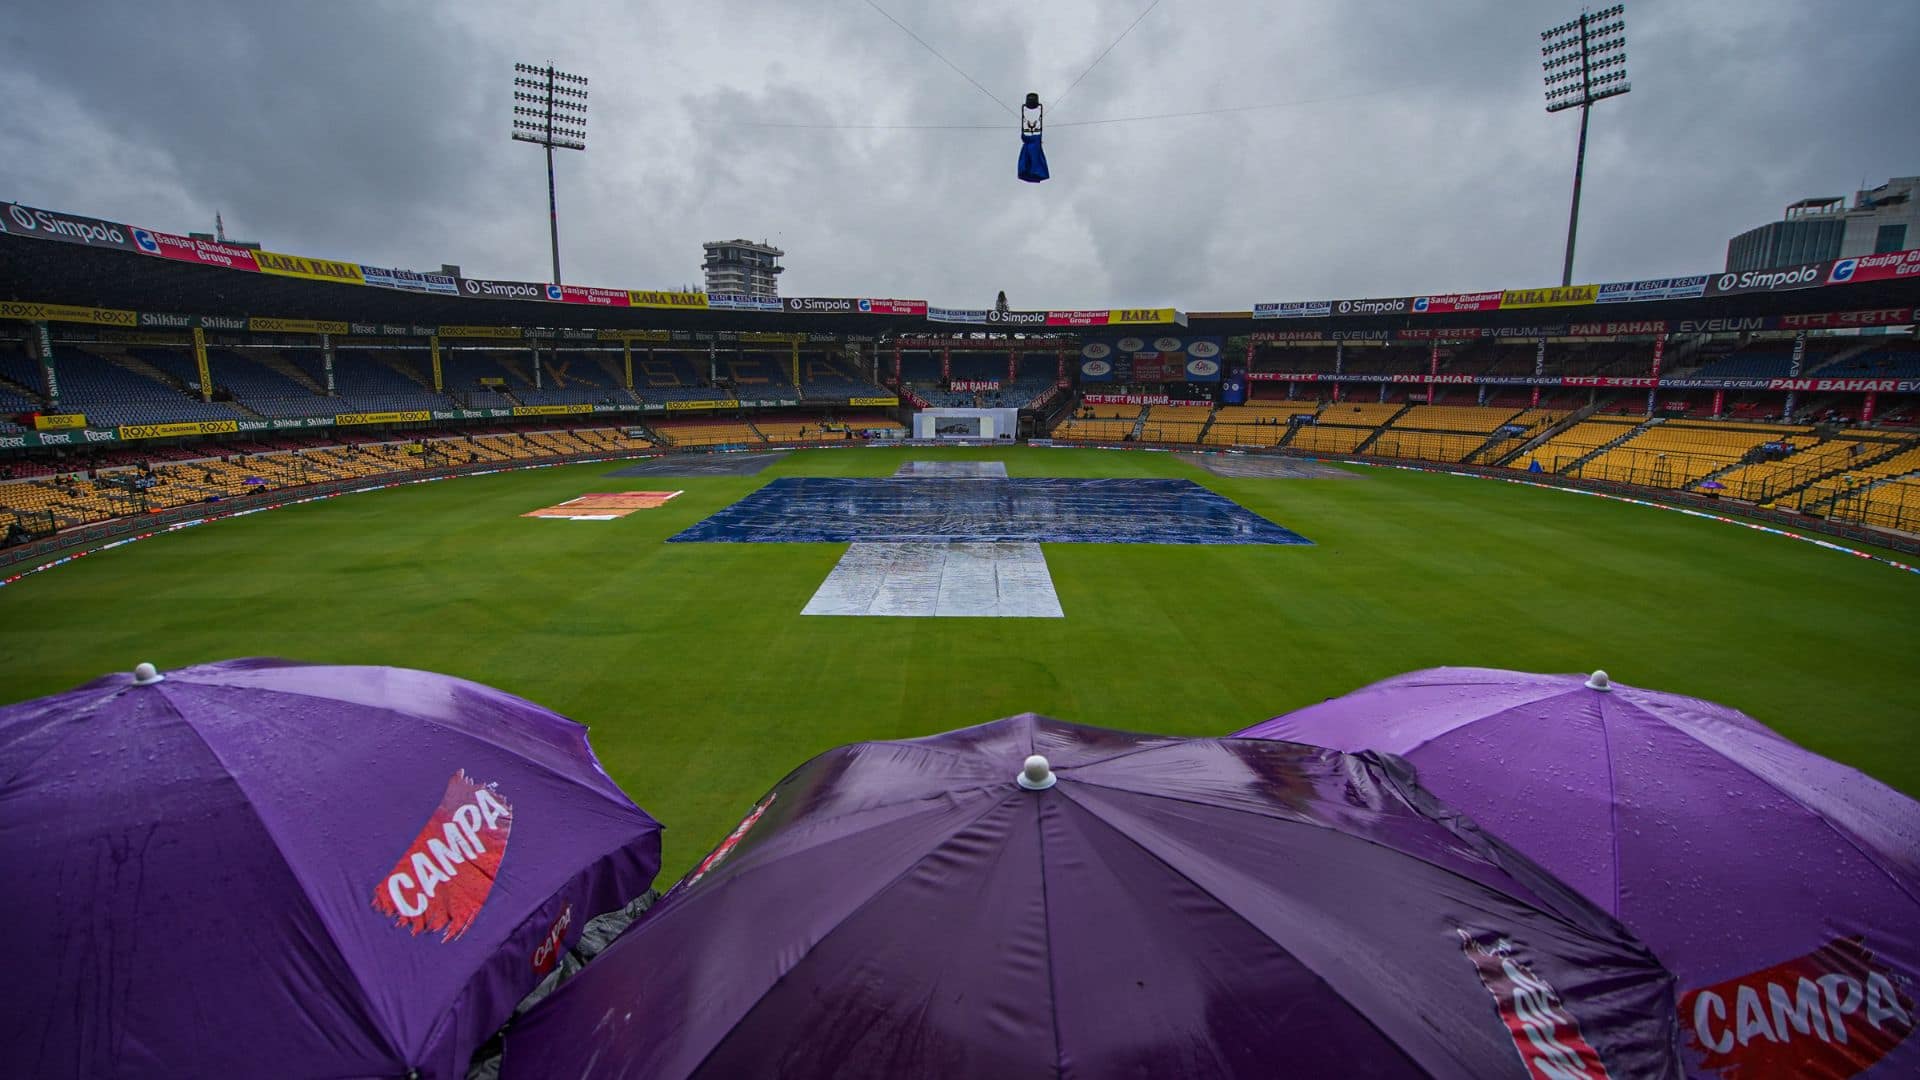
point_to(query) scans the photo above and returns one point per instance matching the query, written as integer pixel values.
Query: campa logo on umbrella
(718, 855)
(547, 956)
(1544, 1032)
(1832, 1012)
(444, 877)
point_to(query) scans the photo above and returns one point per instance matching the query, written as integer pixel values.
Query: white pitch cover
(975, 470)
(984, 579)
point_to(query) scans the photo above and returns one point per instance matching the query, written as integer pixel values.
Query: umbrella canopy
(1113, 905)
(258, 868)
(1782, 888)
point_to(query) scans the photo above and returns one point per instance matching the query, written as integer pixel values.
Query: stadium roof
(126, 271)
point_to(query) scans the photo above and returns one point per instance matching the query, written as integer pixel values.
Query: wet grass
(703, 685)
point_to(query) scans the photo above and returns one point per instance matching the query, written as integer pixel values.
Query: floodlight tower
(1585, 61)
(550, 110)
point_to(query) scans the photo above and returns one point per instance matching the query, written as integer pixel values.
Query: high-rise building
(1886, 218)
(743, 268)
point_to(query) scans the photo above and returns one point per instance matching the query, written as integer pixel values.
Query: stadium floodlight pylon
(550, 110)
(1583, 61)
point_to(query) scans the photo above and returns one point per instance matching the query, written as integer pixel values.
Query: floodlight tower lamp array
(1584, 60)
(550, 112)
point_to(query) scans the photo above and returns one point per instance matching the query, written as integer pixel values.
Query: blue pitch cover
(1055, 511)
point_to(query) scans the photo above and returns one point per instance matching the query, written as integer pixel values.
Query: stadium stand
(1525, 425)
(1175, 423)
(571, 378)
(813, 429)
(920, 372)
(1760, 360)
(1843, 491)
(265, 387)
(1256, 423)
(1576, 442)
(1676, 453)
(824, 378)
(1358, 414)
(1179, 414)
(685, 433)
(793, 431)
(19, 374)
(1852, 470)
(1893, 504)
(1763, 481)
(370, 381)
(112, 394)
(1425, 445)
(19, 387)
(1465, 418)
(1328, 439)
(1255, 410)
(1082, 429)
(673, 375)
(1890, 363)
(68, 500)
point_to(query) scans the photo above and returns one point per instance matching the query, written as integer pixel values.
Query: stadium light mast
(550, 110)
(1584, 61)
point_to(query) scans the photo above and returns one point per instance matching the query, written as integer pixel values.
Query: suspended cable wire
(943, 59)
(1062, 96)
(1235, 108)
(1073, 123)
(803, 125)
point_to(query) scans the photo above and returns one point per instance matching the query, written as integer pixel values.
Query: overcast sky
(1413, 155)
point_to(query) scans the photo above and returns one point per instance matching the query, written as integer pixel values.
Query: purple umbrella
(258, 868)
(1782, 888)
(1113, 905)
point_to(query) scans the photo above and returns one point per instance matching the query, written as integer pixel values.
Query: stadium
(745, 541)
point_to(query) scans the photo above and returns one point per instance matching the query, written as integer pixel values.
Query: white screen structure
(966, 425)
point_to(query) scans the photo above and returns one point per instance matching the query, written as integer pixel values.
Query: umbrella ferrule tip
(145, 674)
(1599, 681)
(1036, 774)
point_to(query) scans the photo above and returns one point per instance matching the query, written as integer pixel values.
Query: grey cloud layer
(377, 131)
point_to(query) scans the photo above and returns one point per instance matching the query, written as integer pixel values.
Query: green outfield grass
(704, 685)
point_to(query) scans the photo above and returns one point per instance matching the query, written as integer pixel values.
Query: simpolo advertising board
(1778, 279)
(21, 220)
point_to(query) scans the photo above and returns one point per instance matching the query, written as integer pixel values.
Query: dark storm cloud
(1412, 153)
(305, 128)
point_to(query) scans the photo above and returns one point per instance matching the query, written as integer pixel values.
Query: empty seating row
(1576, 442)
(709, 432)
(1225, 433)
(1362, 414)
(1761, 482)
(63, 502)
(1425, 445)
(1095, 430)
(1328, 439)
(1469, 418)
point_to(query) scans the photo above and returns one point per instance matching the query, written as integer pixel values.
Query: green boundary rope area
(178, 526)
(1755, 526)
